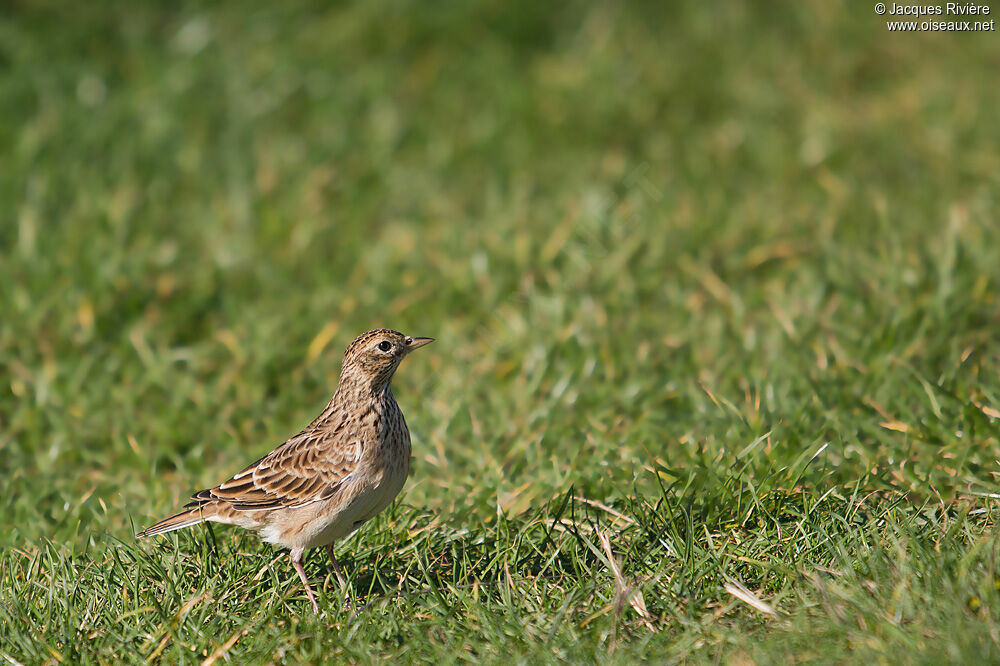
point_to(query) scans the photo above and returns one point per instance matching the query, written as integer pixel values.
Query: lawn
(717, 377)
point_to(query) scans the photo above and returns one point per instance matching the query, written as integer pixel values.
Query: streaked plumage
(339, 472)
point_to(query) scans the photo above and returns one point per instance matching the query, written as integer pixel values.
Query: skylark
(325, 482)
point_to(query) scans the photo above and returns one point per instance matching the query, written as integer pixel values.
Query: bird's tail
(175, 522)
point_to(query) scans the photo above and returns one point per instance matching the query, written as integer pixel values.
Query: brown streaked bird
(325, 482)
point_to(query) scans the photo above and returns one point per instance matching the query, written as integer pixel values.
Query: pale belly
(340, 518)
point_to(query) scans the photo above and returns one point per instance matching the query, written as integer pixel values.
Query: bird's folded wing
(306, 468)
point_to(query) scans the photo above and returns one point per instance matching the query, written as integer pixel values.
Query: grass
(715, 291)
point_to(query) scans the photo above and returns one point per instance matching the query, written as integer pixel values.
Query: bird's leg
(296, 556)
(337, 569)
(333, 560)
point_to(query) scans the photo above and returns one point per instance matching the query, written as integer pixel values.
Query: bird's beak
(417, 343)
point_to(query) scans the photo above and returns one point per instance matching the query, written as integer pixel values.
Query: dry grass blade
(224, 648)
(625, 593)
(738, 590)
(604, 507)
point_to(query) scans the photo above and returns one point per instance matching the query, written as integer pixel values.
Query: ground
(715, 294)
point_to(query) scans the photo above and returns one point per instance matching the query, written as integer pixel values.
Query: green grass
(716, 285)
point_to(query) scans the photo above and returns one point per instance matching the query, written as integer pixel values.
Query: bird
(336, 474)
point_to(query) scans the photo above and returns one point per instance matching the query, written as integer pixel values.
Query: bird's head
(374, 356)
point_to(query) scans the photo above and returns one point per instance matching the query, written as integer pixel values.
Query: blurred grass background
(681, 258)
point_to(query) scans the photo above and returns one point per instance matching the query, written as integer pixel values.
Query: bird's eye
(384, 345)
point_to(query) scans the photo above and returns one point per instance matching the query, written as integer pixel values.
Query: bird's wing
(308, 467)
